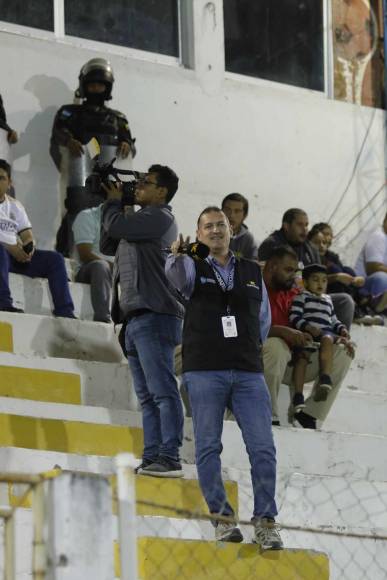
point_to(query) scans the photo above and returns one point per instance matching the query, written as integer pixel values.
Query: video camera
(103, 174)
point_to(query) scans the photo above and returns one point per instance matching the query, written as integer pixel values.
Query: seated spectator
(372, 263)
(294, 232)
(93, 267)
(340, 278)
(18, 253)
(312, 312)
(236, 208)
(279, 275)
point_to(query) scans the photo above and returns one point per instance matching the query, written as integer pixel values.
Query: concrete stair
(161, 558)
(45, 336)
(66, 399)
(33, 295)
(99, 384)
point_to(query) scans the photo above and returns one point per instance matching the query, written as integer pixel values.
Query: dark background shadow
(36, 178)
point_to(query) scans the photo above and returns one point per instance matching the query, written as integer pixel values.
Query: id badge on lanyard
(228, 322)
(229, 327)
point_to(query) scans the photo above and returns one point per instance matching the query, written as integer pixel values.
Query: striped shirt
(308, 308)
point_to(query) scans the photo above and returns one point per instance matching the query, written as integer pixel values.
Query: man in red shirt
(279, 276)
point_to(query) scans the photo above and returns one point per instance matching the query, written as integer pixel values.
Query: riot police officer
(74, 126)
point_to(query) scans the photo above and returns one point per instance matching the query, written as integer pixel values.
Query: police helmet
(96, 70)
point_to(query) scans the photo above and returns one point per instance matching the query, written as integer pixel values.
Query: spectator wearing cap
(312, 311)
(242, 243)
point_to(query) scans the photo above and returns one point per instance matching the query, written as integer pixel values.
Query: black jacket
(306, 253)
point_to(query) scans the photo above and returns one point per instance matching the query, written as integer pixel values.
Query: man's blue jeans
(150, 341)
(44, 264)
(246, 394)
(376, 284)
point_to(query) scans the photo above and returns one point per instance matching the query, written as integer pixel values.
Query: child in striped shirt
(312, 311)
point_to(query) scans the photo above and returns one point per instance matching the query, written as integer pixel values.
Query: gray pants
(99, 275)
(344, 307)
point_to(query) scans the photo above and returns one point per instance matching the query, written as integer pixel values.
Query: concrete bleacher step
(340, 503)
(33, 295)
(176, 558)
(38, 384)
(340, 418)
(99, 384)
(46, 336)
(181, 494)
(101, 431)
(197, 560)
(348, 413)
(360, 456)
(371, 343)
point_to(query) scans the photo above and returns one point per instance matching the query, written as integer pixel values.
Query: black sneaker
(306, 421)
(163, 467)
(323, 388)
(11, 309)
(298, 402)
(144, 463)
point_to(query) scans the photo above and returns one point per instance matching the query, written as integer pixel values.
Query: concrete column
(202, 34)
(79, 534)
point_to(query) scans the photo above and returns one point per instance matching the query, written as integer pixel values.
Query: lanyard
(223, 285)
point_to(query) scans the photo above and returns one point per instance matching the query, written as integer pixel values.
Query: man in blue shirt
(227, 318)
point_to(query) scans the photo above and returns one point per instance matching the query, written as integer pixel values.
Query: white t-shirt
(374, 250)
(13, 220)
(86, 229)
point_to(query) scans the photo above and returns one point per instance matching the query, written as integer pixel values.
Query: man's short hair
(209, 209)
(280, 252)
(291, 214)
(308, 271)
(237, 197)
(5, 166)
(166, 177)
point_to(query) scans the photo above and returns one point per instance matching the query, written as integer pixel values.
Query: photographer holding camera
(148, 307)
(18, 253)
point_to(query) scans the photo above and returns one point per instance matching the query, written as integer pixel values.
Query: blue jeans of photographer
(247, 395)
(150, 341)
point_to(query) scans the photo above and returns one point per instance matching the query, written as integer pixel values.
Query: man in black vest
(227, 317)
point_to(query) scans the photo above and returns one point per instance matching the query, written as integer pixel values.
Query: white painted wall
(280, 146)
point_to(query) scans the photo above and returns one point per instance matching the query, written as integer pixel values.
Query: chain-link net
(331, 527)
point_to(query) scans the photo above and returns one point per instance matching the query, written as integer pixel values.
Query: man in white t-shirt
(18, 253)
(93, 267)
(372, 263)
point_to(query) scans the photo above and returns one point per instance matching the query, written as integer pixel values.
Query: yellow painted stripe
(162, 558)
(40, 385)
(69, 436)
(178, 493)
(183, 494)
(6, 337)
